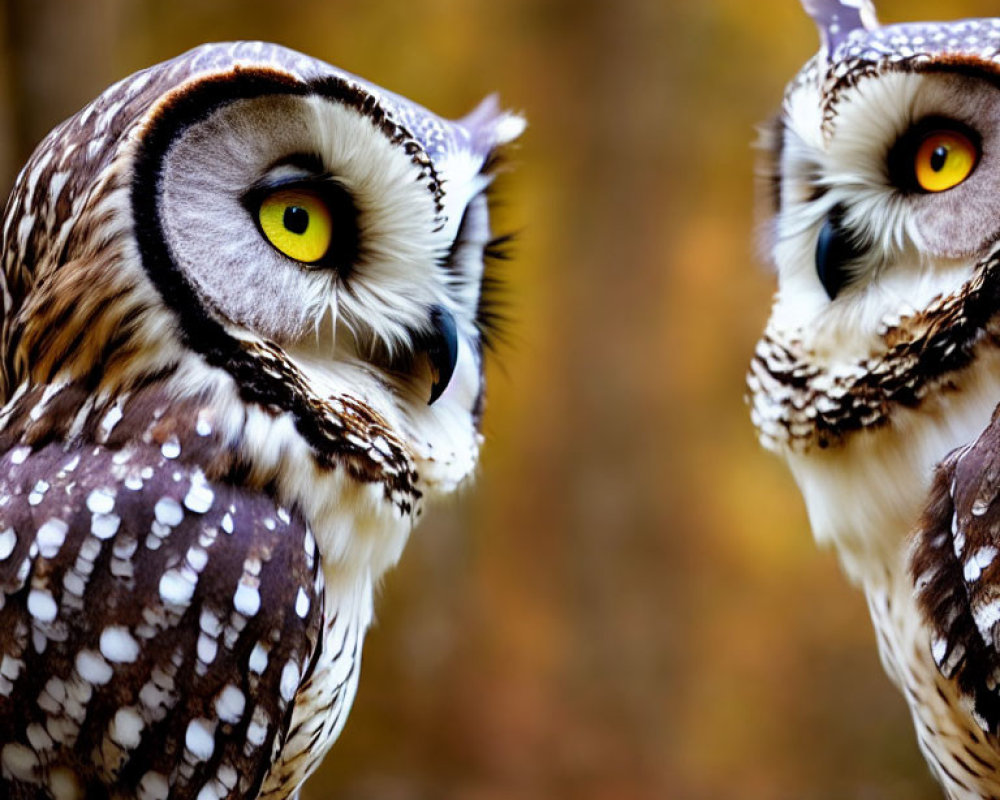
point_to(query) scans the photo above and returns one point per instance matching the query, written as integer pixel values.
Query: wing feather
(149, 629)
(955, 564)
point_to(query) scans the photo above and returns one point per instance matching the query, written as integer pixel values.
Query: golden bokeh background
(628, 605)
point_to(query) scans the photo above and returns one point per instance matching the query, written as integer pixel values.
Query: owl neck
(351, 495)
(866, 495)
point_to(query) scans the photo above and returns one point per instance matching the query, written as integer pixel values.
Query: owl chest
(325, 697)
(964, 760)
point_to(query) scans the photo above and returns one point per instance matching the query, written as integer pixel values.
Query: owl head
(302, 252)
(882, 184)
(245, 202)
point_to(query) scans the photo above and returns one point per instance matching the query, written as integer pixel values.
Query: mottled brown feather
(956, 569)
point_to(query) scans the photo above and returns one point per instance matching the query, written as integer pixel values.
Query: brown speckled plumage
(878, 376)
(196, 500)
(808, 407)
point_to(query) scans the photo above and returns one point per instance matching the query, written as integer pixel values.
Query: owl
(878, 375)
(245, 306)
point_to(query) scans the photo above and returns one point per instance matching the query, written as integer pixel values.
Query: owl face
(887, 198)
(882, 191)
(314, 212)
(883, 181)
(297, 216)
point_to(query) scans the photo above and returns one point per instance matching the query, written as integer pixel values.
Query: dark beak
(836, 248)
(442, 350)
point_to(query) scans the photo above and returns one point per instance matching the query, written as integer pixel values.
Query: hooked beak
(442, 350)
(836, 248)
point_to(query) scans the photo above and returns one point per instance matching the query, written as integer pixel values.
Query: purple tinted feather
(837, 19)
(488, 125)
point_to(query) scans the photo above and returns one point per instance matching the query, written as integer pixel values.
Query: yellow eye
(944, 159)
(298, 223)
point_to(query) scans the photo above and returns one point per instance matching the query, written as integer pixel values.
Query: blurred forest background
(628, 604)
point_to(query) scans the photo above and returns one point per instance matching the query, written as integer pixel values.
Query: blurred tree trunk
(8, 134)
(57, 55)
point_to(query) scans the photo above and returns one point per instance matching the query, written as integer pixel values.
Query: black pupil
(938, 159)
(296, 219)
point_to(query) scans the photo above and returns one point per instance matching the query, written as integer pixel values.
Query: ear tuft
(837, 19)
(489, 126)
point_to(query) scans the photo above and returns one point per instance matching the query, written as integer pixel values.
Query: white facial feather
(846, 167)
(217, 242)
